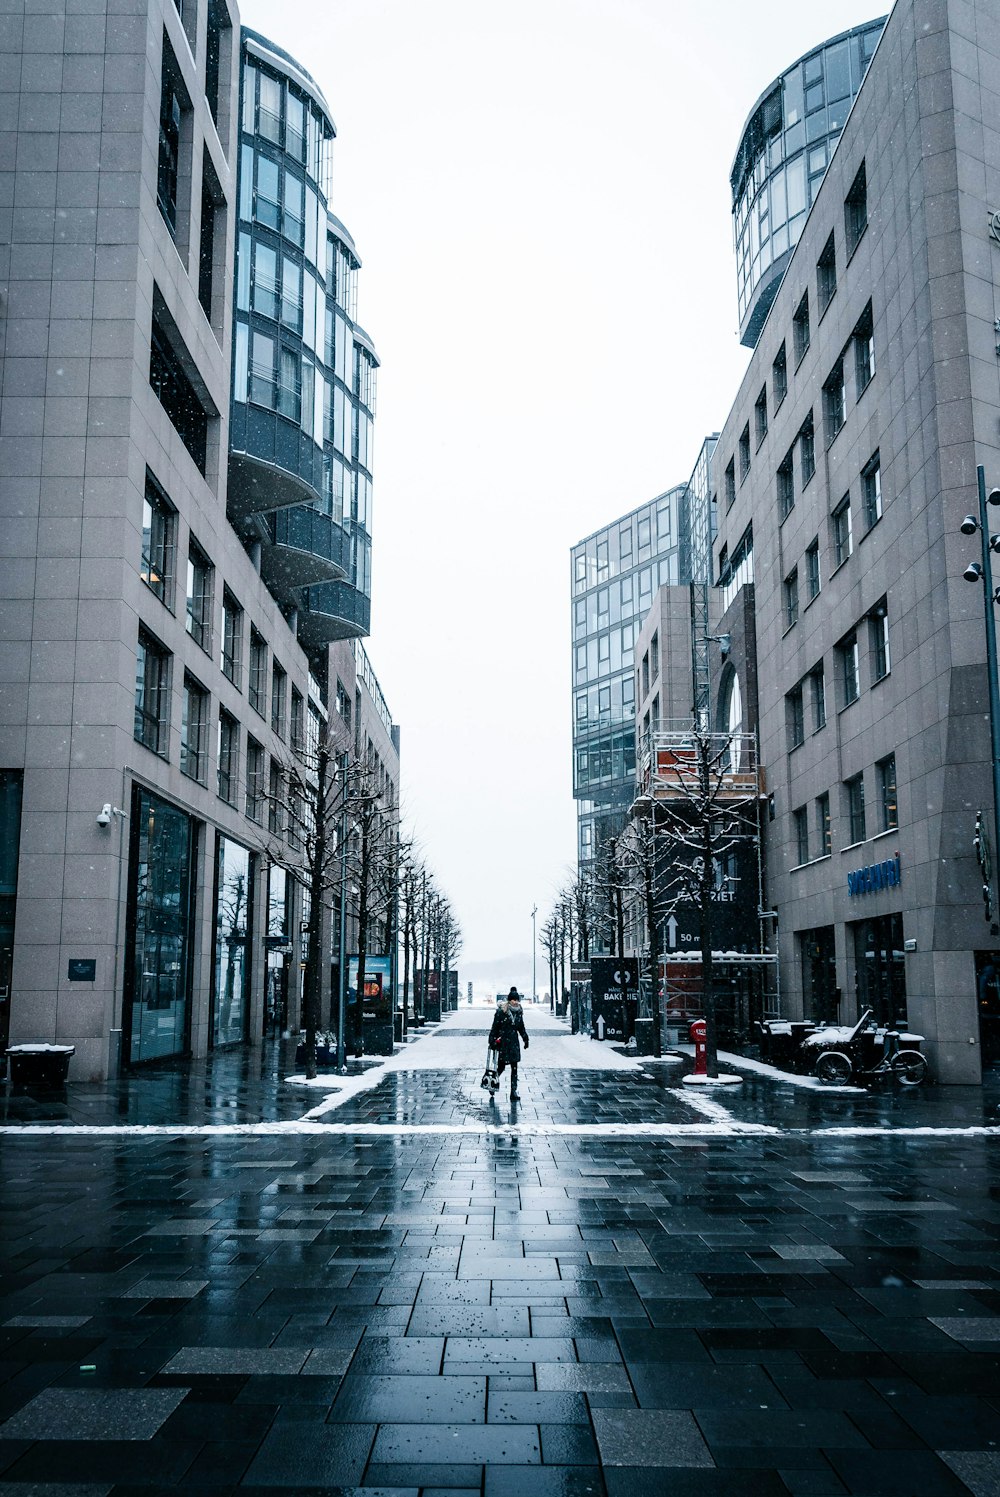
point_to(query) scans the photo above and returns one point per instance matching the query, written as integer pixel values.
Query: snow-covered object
(841, 1034)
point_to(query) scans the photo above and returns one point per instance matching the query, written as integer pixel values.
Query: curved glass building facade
(787, 142)
(304, 375)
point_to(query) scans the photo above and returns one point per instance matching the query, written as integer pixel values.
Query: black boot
(514, 1094)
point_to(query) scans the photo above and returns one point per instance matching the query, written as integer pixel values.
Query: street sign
(614, 985)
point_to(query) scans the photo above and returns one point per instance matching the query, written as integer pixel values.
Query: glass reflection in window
(233, 921)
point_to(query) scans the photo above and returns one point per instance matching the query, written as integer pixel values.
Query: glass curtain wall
(615, 575)
(234, 875)
(786, 147)
(158, 978)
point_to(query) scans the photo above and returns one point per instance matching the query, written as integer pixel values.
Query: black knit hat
(514, 994)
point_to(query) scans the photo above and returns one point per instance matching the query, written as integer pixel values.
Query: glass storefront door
(158, 979)
(820, 997)
(880, 971)
(234, 872)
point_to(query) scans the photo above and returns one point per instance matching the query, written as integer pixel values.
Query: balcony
(331, 611)
(302, 547)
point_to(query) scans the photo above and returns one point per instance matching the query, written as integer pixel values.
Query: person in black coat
(508, 1023)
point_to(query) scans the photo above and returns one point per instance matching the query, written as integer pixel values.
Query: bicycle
(836, 1067)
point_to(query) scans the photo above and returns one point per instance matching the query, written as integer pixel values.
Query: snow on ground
(450, 1047)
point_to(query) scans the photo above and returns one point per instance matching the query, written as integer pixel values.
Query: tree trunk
(652, 935)
(707, 939)
(314, 949)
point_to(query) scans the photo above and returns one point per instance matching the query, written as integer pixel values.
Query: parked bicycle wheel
(833, 1068)
(909, 1067)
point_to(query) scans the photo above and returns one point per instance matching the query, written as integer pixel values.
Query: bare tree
(652, 902)
(311, 802)
(705, 799)
(371, 862)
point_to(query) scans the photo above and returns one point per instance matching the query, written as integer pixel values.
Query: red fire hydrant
(697, 1033)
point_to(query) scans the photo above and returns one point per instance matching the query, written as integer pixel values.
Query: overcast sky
(539, 192)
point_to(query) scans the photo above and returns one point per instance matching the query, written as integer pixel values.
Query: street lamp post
(983, 572)
(534, 988)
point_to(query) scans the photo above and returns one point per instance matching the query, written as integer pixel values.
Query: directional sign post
(614, 983)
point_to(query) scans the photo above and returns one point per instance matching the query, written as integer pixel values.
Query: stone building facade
(842, 475)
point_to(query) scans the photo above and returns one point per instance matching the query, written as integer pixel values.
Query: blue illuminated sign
(875, 878)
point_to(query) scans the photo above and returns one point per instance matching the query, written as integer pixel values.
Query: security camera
(104, 814)
(973, 572)
(969, 525)
(993, 497)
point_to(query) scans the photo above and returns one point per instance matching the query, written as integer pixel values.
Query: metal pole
(534, 985)
(991, 658)
(342, 969)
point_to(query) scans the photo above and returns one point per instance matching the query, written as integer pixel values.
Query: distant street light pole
(983, 572)
(534, 990)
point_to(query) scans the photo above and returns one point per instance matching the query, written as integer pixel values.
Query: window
(856, 210)
(255, 781)
(885, 774)
(262, 378)
(786, 487)
(213, 204)
(199, 597)
(807, 449)
(826, 274)
(812, 570)
(878, 634)
(298, 721)
(289, 384)
(172, 387)
(850, 684)
(229, 757)
(232, 639)
(172, 108)
(257, 684)
(654, 656)
(730, 481)
(871, 491)
(790, 589)
(760, 415)
(194, 730)
(834, 401)
(744, 452)
(840, 529)
(795, 718)
(823, 829)
(854, 790)
(800, 328)
(779, 376)
(152, 694)
(218, 23)
(817, 693)
(279, 686)
(864, 351)
(274, 799)
(159, 532)
(800, 830)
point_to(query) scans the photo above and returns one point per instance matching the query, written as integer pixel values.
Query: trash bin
(645, 1037)
(39, 1067)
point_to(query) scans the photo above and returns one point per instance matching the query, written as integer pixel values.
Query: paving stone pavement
(502, 1314)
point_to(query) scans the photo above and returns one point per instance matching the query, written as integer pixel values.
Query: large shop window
(233, 923)
(879, 967)
(161, 884)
